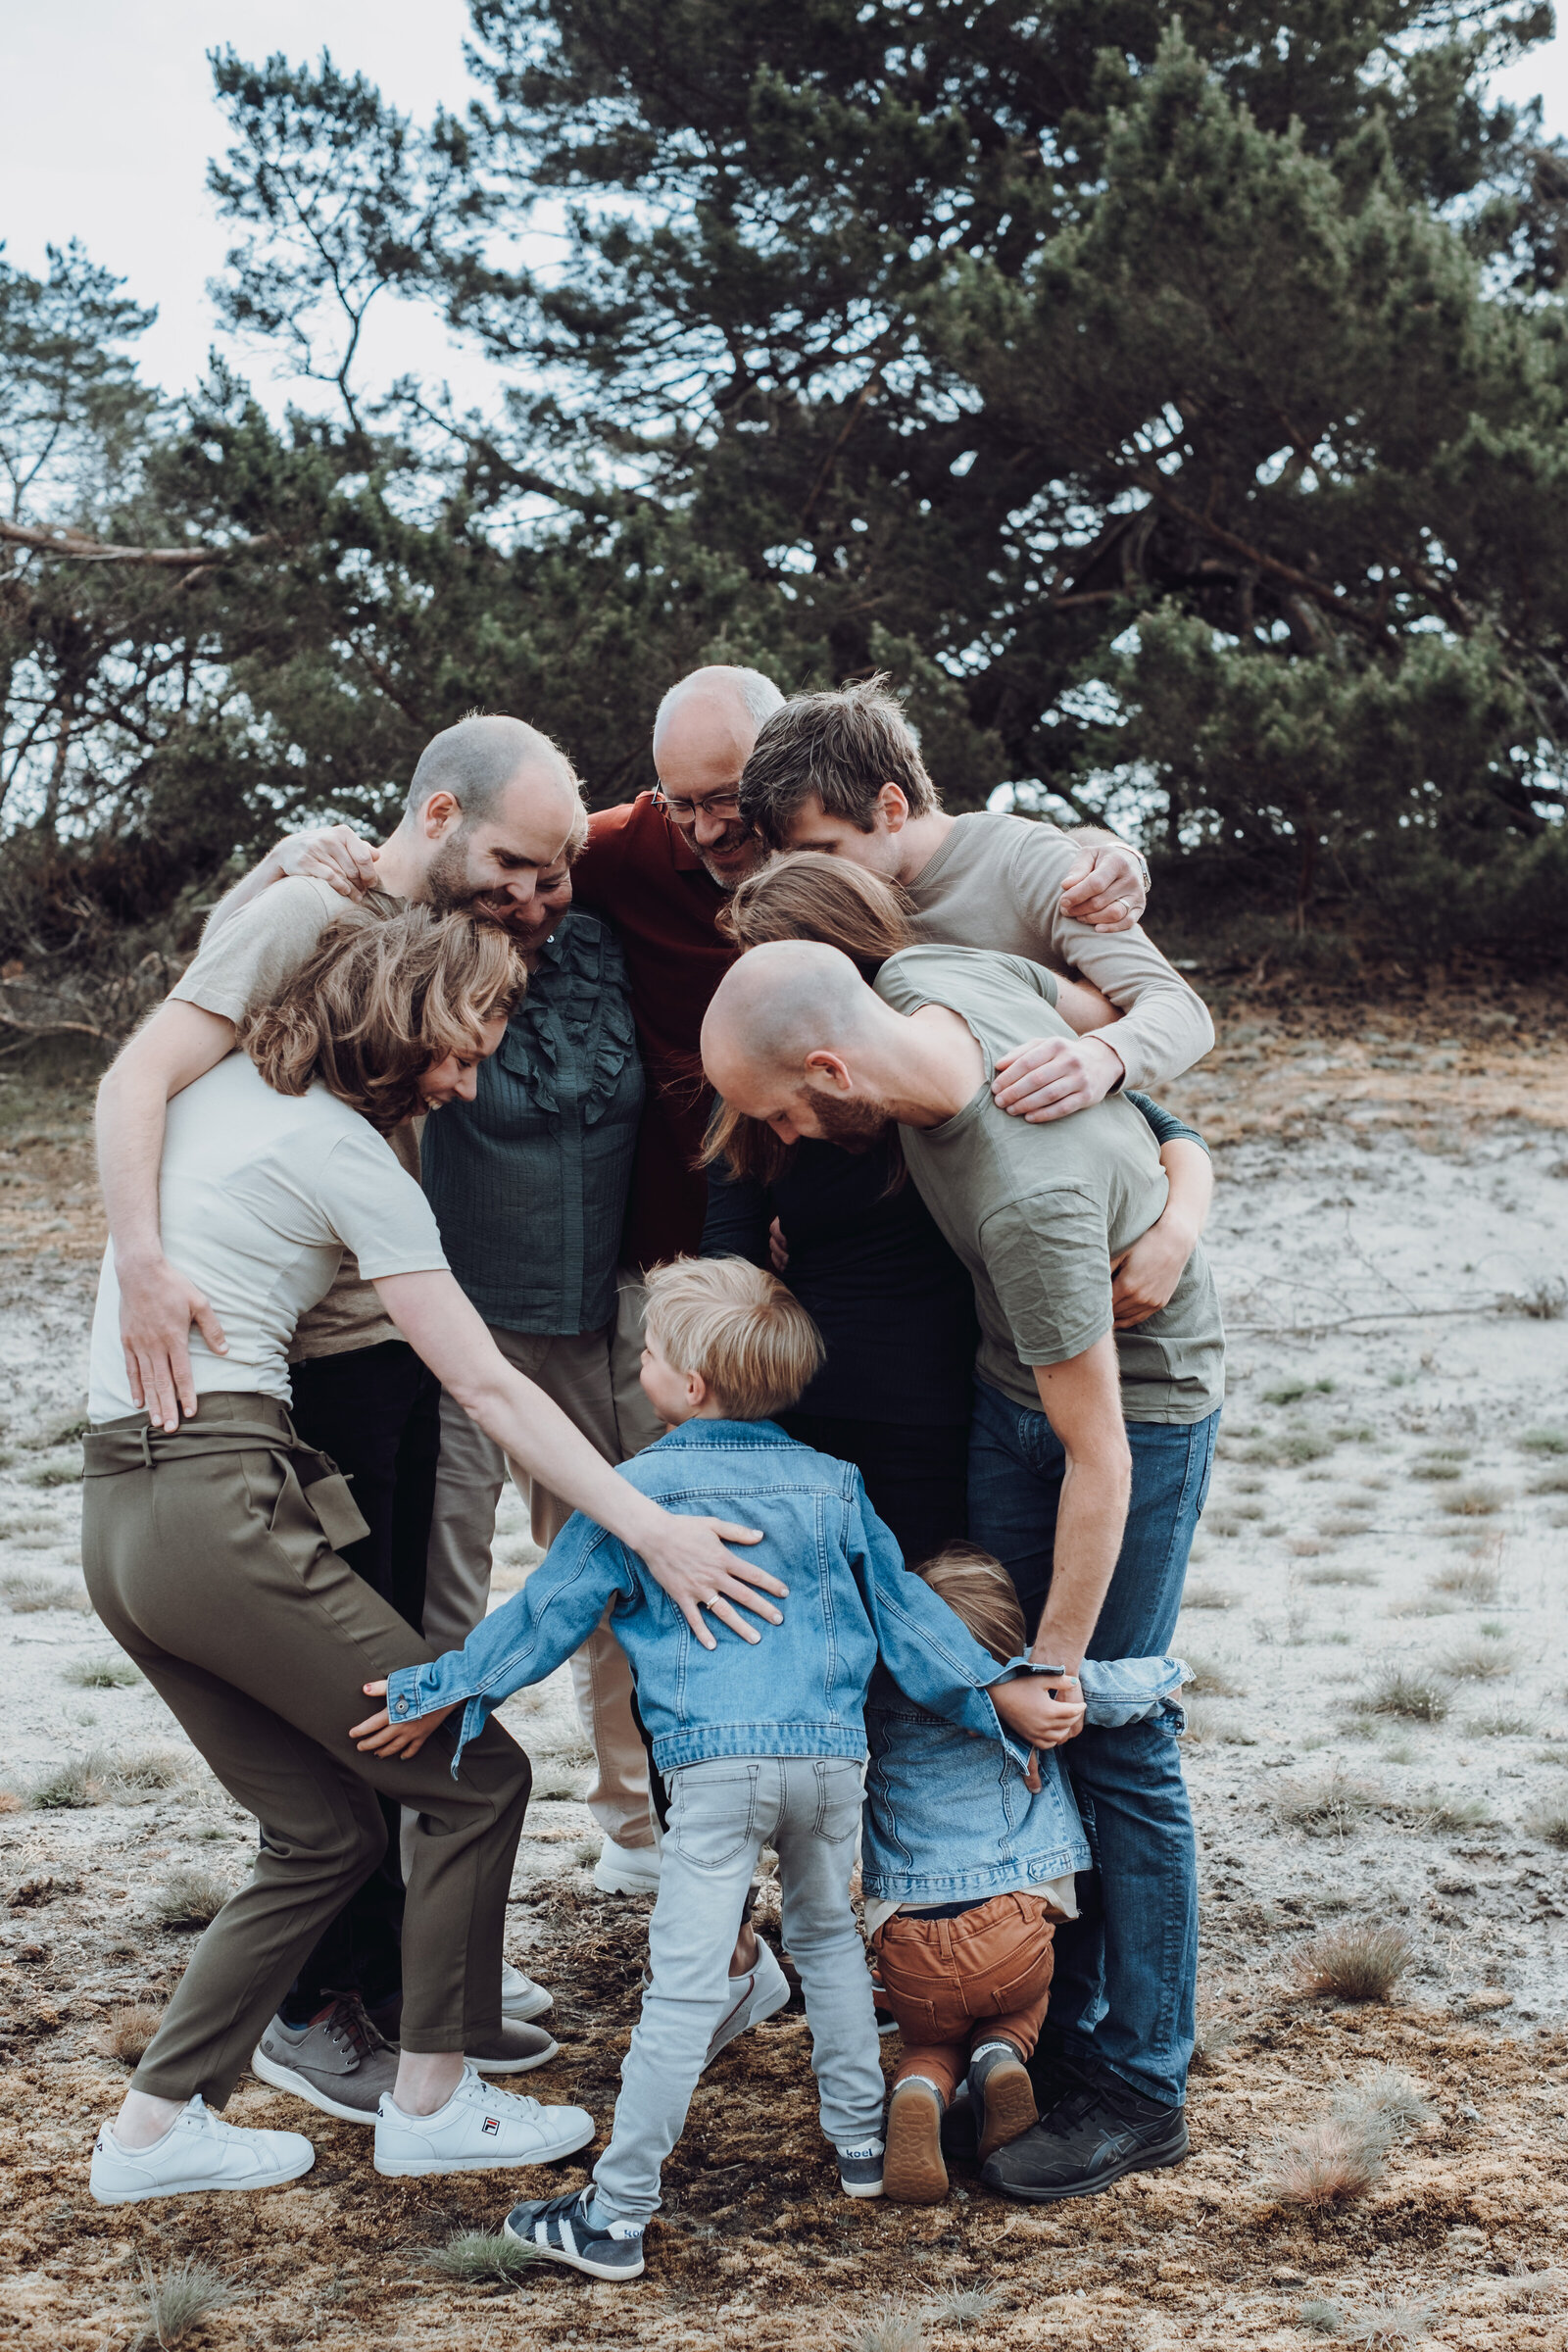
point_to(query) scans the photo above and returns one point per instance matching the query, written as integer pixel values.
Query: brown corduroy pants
(952, 1982)
(212, 1572)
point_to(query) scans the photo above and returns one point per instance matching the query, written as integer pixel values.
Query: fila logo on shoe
(492, 2124)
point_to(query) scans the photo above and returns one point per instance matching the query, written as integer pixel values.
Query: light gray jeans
(721, 1814)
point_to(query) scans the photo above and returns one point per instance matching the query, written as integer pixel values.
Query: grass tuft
(1207, 1596)
(1384, 2100)
(1475, 1503)
(1488, 1662)
(190, 1899)
(1436, 1467)
(1441, 1812)
(102, 1777)
(179, 2297)
(129, 2031)
(891, 2331)
(1212, 1680)
(1501, 1723)
(102, 1673)
(1327, 2163)
(30, 1596)
(1361, 1960)
(1326, 1808)
(1333, 1573)
(960, 2307)
(1291, 1392)
(1401, 1690)
(57, 1470)
(1550, 1823)
(1320, 2318)
(1472, 1583)
(1544, 1441)
(480, 2256)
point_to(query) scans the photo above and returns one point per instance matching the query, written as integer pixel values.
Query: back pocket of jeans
(711, 1814)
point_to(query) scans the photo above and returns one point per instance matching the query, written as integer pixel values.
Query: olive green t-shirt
(1037, 1213)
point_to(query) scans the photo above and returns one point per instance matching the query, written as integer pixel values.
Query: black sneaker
(1099, 2133)
(557, 2229)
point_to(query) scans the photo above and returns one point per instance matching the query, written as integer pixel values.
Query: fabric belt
(135, 1444)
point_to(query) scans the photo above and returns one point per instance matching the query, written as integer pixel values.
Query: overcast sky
(110, 121)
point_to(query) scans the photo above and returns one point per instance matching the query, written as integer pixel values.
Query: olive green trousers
(208, 1566)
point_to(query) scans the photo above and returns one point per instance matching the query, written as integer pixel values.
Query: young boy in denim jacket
(758, 1744)
(967, 1864)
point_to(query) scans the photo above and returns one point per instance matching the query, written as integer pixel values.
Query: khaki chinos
(574, 1372)
(208, 1566)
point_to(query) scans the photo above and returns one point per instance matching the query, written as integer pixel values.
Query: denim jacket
(951, 1818)
(798, 1692)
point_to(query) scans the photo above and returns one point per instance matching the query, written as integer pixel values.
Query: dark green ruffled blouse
(529, 1181)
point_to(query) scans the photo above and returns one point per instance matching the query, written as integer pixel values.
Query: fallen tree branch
(105, 1037)
(79, 549)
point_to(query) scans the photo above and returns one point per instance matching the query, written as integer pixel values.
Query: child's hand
(379, 1736)
(1028, 1707)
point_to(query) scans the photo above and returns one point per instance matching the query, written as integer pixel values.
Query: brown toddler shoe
(913, 2170)
(1002, 2094)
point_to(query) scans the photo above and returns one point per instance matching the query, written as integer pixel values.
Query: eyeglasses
(724, 807)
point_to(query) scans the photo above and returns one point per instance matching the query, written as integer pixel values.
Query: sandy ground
(1389, 1527)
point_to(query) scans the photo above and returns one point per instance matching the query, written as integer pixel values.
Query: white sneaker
(478, 2130)
(198, 2151)
(626, 1869)
(520, 1997)
(751, 1999)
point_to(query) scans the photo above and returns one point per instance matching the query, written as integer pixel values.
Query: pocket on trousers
(838, 1801)
(711, 1818)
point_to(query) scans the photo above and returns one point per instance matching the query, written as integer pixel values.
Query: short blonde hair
(738, 1329)
(978, 1590)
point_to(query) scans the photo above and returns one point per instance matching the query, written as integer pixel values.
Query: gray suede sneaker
(339, 2062)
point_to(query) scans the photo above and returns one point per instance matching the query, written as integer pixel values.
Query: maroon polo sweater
(641, 874)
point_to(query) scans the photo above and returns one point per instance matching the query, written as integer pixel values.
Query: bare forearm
(1091, 1519)
(533, 1430)
(1190, 1173)
(129, 1135)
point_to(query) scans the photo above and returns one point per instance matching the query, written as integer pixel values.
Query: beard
(449, 888)
(735, 836)
(853, 1122)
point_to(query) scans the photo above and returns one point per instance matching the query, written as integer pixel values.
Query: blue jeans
(1126, 1970)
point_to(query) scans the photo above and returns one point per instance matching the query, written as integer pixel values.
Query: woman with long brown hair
(210, 1555)
(857, 1243)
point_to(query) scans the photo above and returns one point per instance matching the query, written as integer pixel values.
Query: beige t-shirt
(258, 1195)
(1037, 1213)
(996, 882)
(243, 965)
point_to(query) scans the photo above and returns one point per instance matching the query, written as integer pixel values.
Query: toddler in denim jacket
(967, 1864)
(756, 1743)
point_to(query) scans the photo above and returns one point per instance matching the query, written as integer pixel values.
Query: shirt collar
(726, 1433)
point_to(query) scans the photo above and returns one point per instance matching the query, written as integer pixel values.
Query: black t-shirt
(894, 1305)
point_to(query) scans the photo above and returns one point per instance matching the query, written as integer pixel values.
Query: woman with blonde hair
(210, 1556)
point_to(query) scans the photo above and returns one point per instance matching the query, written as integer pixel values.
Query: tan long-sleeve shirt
(997, 881)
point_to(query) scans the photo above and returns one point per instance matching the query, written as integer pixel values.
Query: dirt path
(1389, 1529)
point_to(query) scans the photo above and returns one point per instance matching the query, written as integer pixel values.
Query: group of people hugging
(761, 1172)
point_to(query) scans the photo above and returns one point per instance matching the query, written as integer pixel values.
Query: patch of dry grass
(1213, 1679)
(105, 1778)
(481, 2257)
(1329, 1807)
(129, 2031)
(1550, 1823)
(1477, 1501)
(1405, 1692)
(179, 2297)
(1207, 1596)
(190, 1899)
(1471, 1581)
(1336, 1572)
(1360, 1960)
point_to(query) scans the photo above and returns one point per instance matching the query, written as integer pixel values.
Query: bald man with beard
(1091, 1452)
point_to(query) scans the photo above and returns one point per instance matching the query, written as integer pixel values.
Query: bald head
(779, 1004)
(703, 738)
(478, 760)
(721, 701)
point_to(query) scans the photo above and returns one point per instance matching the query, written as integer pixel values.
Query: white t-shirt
(260, 1194)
